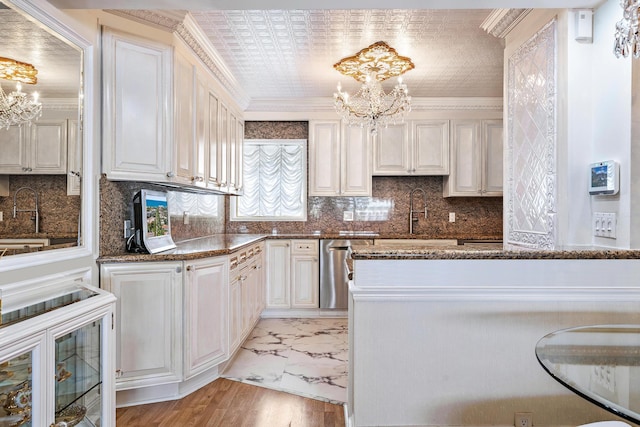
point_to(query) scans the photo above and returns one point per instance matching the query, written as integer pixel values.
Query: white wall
(598, 128)
(610, 125)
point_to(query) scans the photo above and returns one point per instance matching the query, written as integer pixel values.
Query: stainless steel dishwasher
(334, 274)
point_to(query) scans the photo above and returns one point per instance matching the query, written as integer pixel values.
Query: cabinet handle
(286, 245)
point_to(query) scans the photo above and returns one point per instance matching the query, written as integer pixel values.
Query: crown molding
(501, 21)
(183, 26)
(191, 34)
(164, 20)
(63, 104)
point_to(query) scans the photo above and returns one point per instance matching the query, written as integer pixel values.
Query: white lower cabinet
(292, 274)
(206, 294)
(178, 320)
(149, 321)
(246, 293)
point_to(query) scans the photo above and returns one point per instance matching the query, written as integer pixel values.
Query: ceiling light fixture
(627, 38)
(371, 106)
(16, 108)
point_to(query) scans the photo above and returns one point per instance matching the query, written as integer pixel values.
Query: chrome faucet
(34, 212)
(412, 217)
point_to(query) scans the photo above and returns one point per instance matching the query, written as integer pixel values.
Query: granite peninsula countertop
(482, 251)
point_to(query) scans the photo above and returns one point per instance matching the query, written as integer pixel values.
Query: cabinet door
(305, 281)
(206, 328)
(239, 156)
(430, 152)
(137, 114)
(324, 158)
(391, 150)
(48, 152)
(213, 174)
(235, 314)
(355, 168)
(278, 273)
(148, 319)
(74, 158)
(13, 155)
(465, 177)
(492, 157)
(201, 164)
(232, 153)
(223, 143)
(184, 120)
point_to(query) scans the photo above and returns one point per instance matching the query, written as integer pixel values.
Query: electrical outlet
(347, 216)
(1, 217)
(523, 419)
(452, 217)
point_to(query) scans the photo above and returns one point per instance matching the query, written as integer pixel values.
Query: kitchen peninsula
(452, 330)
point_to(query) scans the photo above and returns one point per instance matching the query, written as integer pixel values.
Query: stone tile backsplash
(58, 213)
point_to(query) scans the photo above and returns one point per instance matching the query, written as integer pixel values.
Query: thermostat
(604, 177)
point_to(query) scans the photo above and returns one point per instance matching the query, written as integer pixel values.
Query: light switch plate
(604, 224)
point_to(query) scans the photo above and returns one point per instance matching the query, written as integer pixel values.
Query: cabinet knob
(178, 269)
(170, 174)
(189, 267)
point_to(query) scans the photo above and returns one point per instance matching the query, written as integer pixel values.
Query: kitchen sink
(359, 233)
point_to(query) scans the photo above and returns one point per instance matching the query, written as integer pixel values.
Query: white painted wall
(611, 121)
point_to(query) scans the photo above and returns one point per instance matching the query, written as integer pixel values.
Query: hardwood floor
(231, 403)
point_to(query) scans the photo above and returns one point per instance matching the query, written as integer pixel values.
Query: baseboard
(165, 392)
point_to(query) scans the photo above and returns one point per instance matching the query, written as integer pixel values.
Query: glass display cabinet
(56, 363)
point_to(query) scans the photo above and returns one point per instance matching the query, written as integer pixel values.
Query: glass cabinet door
(16, 379)
(78, 376)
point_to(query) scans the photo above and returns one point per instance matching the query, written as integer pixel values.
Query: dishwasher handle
(339, 248)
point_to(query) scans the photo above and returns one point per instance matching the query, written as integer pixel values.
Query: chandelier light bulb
(18, 87)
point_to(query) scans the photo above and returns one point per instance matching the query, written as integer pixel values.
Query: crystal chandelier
(16, 108)
(627, 30)
(371, 106)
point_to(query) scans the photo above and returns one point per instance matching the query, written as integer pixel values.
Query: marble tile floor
(306, 357)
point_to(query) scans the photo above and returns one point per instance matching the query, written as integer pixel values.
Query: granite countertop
(202, 247)
(224, 244)
(482, 251)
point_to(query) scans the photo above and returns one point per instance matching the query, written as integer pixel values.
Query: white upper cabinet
(39, 148)
(391, 155)
(137, 110)
(184, 144)
(339, 160)
(164, 120)
(418, 147)
(476, 159)
(430, 148)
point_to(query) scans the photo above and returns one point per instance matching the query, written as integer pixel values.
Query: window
(275, 181)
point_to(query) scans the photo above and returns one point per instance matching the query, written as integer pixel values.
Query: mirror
(40, 163)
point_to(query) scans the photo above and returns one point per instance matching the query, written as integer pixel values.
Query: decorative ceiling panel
(289, 54)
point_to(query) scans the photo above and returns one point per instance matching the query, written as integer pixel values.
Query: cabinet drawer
(304, 247)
